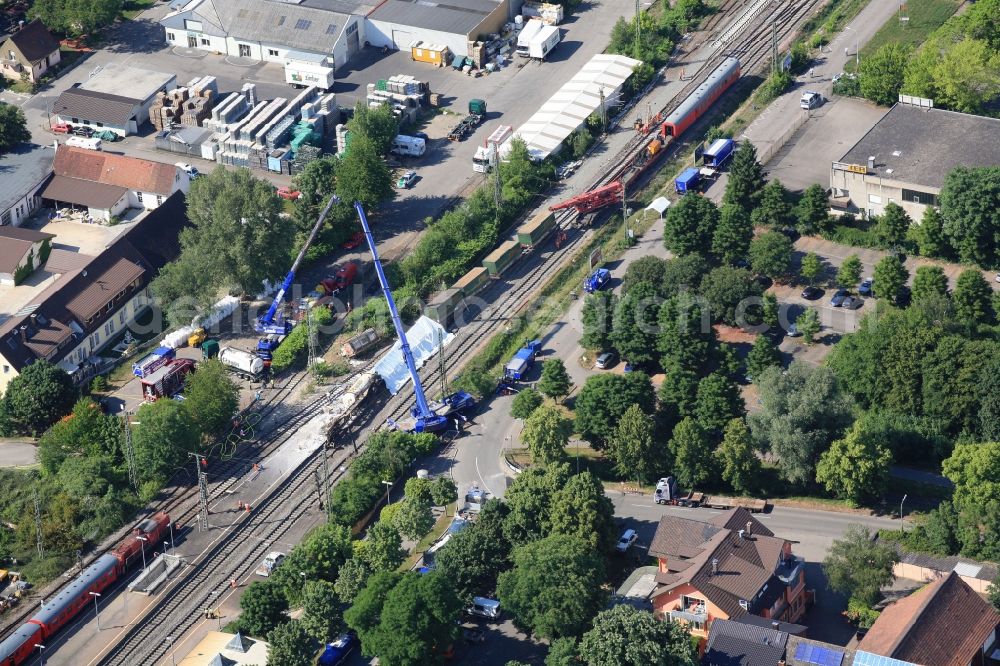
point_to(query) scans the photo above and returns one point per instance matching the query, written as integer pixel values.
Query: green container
(209, 348)
(442, 305)
(502, 257)
(472, 281)
(477, 106)
(536, 229)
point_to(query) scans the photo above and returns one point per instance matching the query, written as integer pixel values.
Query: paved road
(17, 454)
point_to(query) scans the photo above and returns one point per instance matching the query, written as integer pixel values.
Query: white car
(191, 171)
(626, 540)
(997, 278)
(270, 563)
(810, 99)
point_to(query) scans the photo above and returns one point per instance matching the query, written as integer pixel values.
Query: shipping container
(718, 153)
(435, 54)
(687, 181)
(360, 343)
(536, 229)
(441, 307)
(473, 281)
(501, 258)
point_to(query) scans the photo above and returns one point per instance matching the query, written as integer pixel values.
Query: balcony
(695, 614)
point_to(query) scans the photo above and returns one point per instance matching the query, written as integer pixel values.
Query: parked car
(62, 128)
(839, 298)
(336, 652)
(484, 607)
(82, 130)
(270, 563)
(790, 232)
(406, 180)
(812, 293)
(852, 303)
(865, 288)
(607, 360)
(188, 169)
(810, 99)
(288, 193)
(626, 540)
(793, 331)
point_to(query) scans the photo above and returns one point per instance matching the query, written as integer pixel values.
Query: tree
(211, 398)
(975, 471)
(929, 281)
(686, 334)
(731, 240)
(683, 274)
(993, 595)
(474, 557)
(964, 76)
(525, 403)
(726, 288)
(746, 178)
(365, 612)
(290, 644)
(692, 452)
(690, 224)
(38, 397)
(648, 269)
(808, 325)
(738, 461)
(163, 439)
(773, 210)
(930, 234)
(529, 502)
(855, 468)
(363, 175)
(555, 382)
(969, 199)
(581, 509)
(414, 518)
(719, 401)
(13, 127)
(316, 183)
(85, 433)
(351, 579)
(893, 224)
(321, 615)
(76, 18)
(382, 550)
(604, 399)
(634, 449)
(377, 124)
(972, 299)
(858, 567)
(814, 210)
(771, 255)
(801, 412)
(634, 330)
(889, 278)
(764, 354)
(562, 652)
(546, 433)
(263, 607)
(597, 319)
(443, 491)
(555, 586)
(880, 75)
(849, 273)
(812, 268)
(627, 636)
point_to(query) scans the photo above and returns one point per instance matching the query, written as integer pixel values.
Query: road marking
(481, 479)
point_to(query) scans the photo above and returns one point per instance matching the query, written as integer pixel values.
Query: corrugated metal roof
(456, 16)
(570, 106)
(23, 167)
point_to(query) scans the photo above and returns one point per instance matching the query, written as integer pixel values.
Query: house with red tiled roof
(106, 185)
(944, 623)
(725, 569)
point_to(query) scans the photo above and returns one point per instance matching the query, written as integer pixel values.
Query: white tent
(424, 337)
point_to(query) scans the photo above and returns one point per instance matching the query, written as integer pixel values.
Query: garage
(401, 39)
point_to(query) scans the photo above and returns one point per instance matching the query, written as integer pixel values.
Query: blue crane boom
(426, 420)
(266, 323)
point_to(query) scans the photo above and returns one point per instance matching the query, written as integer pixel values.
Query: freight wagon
(152, 361)
(473, 281)
(442, 306)
(501, 258)
(166, 380)
(535, 230)
(360, 343)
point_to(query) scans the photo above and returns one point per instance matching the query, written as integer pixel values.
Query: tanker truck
(243, 363)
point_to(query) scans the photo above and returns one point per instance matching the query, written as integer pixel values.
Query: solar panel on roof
(816, 654)
(862, 658)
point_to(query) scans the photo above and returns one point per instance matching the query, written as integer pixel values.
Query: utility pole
(444, 364)
(128, 449)
(319, 486)
(38, 524)
(638, 29)
(604, 114)
(326, 481)
(497, 186)
(199, 466)
(312, 338)
(774, 47)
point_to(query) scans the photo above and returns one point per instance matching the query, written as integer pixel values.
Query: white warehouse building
(399, 23)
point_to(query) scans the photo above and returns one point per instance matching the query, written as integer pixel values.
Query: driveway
(17, 453)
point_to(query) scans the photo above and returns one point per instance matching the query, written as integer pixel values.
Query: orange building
(725, 569)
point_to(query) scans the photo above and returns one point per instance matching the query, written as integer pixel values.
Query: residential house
(29, 53)
(107, 185)
(736, 644)
(926, 568)
(725, 569)
(21, 252)
(94, 300)
(944, 623)
(801, 651)
(24, 169)
(100, 111)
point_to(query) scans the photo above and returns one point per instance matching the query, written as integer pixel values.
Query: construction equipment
(588, 202)
(523, 360)
(272, 321)
(425, 420)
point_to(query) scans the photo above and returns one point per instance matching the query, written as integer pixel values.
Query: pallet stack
(189, 106)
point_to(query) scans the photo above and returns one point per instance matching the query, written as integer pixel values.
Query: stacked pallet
(477, 52)
(188, 106)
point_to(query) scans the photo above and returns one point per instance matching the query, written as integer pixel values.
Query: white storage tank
(242, 362)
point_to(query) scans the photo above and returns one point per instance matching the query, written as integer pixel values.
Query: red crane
(591, 201)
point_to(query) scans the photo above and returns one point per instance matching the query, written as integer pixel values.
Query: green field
(925, 16)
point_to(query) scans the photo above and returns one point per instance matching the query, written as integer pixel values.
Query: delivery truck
(543, 43)
(300, 73)
(528, 32)
(481, 160)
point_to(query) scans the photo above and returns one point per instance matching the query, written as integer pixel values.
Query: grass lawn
(133, 8)
(925, 16)
(443, 521)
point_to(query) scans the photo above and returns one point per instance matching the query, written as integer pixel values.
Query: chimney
(871, 161)
(715, 566)
(749, 527)
(24, 333)
(775, 624)
(741, 535)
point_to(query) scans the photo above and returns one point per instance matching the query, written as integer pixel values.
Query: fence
(766, 154)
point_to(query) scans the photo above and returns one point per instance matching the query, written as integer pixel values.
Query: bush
(772, 88)
(860, 614)
(99, 384)
(293, 349)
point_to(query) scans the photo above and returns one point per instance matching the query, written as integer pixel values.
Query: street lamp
(143, 549)
(171, 525)
(388, 485)
(857, 47)
(170, 640)
(902, 525)
(40, 652)
(97, 613)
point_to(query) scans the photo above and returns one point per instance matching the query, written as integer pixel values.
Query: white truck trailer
(528, 32)
(543, 43)
(408, 146)
(481, 162)
(307, 70)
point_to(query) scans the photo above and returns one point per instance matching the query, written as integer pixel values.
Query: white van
(84, 142)
(408, 146)
(483, 607)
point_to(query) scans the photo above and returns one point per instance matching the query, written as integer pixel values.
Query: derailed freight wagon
(360, 343)
(442, 306)
(534, 231)
(501, 258)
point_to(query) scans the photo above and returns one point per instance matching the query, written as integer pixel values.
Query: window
(273, 53)
(5, 218)
(109, 328)
(11, 55)
(351, 29)
(100, 124)
(192, 25)
(303, 24)
(206, 42)
(918, 197)
(874, 198)
(281, 20)
(121, 317)
(331, 29)
(138, 196)
(159, 200)
(170, 37)
(6, 369)
(244, 50)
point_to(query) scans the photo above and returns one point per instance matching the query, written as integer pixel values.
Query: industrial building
(905, 157)
(398, 24)
(117, 98)
(593, 88)
(142, 85)
(25, 168)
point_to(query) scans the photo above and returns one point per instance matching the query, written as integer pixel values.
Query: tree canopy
(746, 179)
(627, 636)
(855, 468)
(881, 74)
(690, 224)
(771, 255)
(13, 125)
(634, 447)
(36, 398)
(858, 567)
(581, 509)
(546, 433)
(211, 397)
(604, 399)
(263, 607)
(555, 382)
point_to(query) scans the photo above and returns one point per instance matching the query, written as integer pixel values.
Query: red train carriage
(695, 106)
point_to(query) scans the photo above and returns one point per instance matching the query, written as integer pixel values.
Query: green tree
(889, 278)
(555, 586)
(86, 433)
(163, 439)
(814, 210)
(718, 402)
(633, 331)
(648, 269)
(692, 453)
(627, 636)
(363, 175)
(290, 644)
(581, 509)
(764, 354)
(690, 224)
(801, 413)
(604, 399)
(351, 580)
(13, 127)
(562, 652)
(474, 557)
(634, 449)
(726, 288)
(930, 234)
(969, 199)
(849, 273)
(316, 183)
(38, 397)
(525, 403)
(770, 311)
(597, 317)
(893, 224)
(993, 595)
(808, 325)
(383, 549)
(855, 468)
(414, 518)
(973, 299)
(975, 471)
(686, 333)
(76, 18)
(746, 178)
(771, 255)
(774, 209)
(211, 398)
(683, 274)
(443, 491)
(929, 282)
(378, 124)
(529, 500)
(881, 74)
(263, 607)
(812, 268)
(321, 615)
(731, 240)
(858, 567)
(965, 76)
(555, 382)
(366, 610)
(738, 462)
(546, 433)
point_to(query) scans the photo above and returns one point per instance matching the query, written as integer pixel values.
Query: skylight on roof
(303, 24)
(331, 29)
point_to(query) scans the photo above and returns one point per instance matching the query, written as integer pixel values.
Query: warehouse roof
(23, 167)
(93, 106)
(570, 106)
(453, 16)
(921, 146)
(140, 83)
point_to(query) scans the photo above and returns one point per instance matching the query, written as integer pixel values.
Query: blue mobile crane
(273, 323)
(425, 420)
